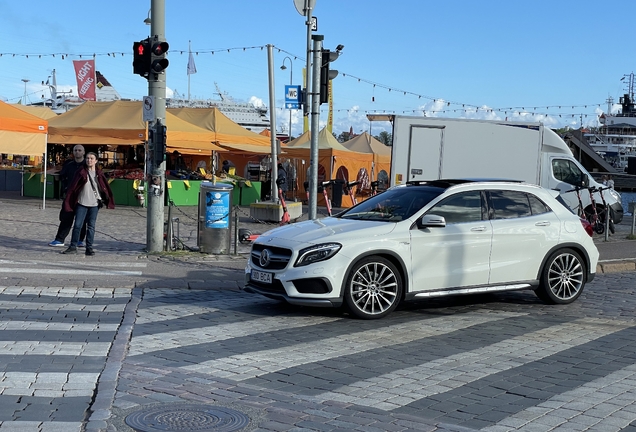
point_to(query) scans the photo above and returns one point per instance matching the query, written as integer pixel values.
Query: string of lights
(459, 107)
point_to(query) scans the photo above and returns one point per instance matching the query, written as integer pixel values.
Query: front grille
(278, 257)
(276, 287)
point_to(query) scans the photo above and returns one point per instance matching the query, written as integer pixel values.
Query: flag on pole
(192, 69)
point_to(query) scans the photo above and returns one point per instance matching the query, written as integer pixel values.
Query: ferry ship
(615, 139)
(248, 115)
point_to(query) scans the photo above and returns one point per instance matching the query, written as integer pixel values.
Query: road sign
(301, 6)
(292, 96)
(149, 108)
(314, 23)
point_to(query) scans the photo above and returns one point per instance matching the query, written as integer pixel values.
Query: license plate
(262, 277)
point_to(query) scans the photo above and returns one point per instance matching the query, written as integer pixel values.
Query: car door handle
(543, 223)
(479, 228)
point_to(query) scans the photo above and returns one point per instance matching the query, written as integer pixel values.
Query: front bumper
(315, 285)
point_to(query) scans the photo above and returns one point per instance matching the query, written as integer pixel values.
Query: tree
(385, 138)
(344, 137)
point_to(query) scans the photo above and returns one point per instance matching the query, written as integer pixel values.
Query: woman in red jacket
(87, 193)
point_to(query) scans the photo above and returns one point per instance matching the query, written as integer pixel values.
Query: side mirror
(431, 221)
(585, 180)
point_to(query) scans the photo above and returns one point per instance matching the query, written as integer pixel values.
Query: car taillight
(587, 227)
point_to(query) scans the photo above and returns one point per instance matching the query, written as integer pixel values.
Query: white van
(428, 148)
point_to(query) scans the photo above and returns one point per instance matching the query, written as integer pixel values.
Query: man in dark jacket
(67, 173)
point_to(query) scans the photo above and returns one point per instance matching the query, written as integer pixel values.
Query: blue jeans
(89, 214)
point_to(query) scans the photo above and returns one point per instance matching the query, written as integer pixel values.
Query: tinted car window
(537, 206)
(393, 205)
(509, 204)
(461, 207)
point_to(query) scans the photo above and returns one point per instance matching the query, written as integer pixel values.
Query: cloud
(257, 102)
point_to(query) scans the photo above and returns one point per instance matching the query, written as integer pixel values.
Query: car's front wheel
(563, 277)
(373, 288)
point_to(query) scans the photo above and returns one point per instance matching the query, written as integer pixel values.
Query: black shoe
(89, 251)
(70, 250)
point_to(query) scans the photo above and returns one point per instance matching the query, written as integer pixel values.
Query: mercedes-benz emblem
(265, 258)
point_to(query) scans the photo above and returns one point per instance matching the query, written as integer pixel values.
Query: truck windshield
(393, 205)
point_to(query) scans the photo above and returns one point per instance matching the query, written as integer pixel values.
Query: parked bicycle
(604, 210)
(592, 215)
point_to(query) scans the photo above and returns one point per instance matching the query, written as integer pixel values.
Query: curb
(616, 267)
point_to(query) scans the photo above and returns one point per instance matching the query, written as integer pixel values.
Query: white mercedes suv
(428, 239)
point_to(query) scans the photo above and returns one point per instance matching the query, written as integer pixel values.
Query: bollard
(607, 220)
(632, 209)
(236, 230)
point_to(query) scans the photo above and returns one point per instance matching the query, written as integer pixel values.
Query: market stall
(22, 134)
(334, 162)
(112, 128)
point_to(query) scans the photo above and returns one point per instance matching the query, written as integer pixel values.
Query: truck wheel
(562, 278)
(373, 288)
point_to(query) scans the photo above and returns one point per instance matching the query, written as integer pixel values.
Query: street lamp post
(291, 82)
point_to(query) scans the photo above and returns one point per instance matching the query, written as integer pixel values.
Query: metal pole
(291, 82)
(308, 68)
(189, 54)
(236, 221)
(315, 120)
(272, 119)
(607, 220)
(157, 172)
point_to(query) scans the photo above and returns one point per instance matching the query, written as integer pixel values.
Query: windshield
(393, 205)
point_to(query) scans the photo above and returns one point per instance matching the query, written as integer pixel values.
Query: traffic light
(159, 62)
(327, 75)
(159, 142)
(141, 58)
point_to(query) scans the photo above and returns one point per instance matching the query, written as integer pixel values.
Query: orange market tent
(365, 143)
(243, 145)
(121, 123)
(334, 160)
(38, 111)
(20, 132)
(23, 134)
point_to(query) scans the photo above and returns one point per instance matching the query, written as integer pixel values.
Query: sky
(555, 61)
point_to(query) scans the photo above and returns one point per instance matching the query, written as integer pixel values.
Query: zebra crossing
(500, 366)
(53, 346)
(72, 267)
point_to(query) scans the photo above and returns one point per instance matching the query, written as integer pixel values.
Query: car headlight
(615, 194)
(317, 253)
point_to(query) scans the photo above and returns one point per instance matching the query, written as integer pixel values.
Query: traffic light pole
(315, 124)
(156, 167)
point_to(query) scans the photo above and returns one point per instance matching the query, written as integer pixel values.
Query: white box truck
(429, 148)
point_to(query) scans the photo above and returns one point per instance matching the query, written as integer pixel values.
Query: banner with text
(85, 74)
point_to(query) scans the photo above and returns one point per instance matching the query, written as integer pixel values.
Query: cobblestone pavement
(77, 357)
(492, 363)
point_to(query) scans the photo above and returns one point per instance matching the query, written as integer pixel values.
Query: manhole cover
(200, 418)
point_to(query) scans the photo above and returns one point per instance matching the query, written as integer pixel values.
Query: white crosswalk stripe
(23, 348)
(273, 360)
(71, 268)
(53, 384)
(208, 334)
(454, 371)
(40, 325)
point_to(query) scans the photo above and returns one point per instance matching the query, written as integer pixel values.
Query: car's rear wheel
(562, 278)
(373, 288)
